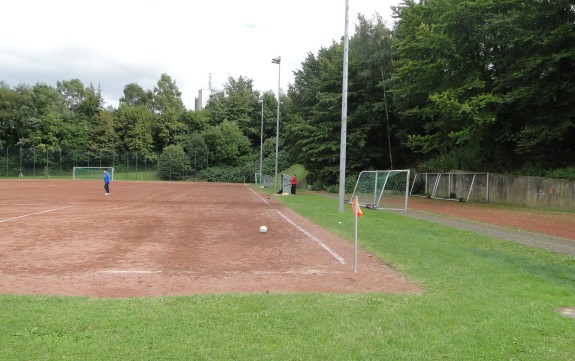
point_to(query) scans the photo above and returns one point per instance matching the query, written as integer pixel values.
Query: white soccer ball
(263, 229)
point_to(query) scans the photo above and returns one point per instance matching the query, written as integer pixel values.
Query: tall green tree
(195, 121)
(226, 143)
(84, 105)
(72, 91)
(532, 62)
(167, 96)
(52, 113)
(134, 131)
(442, 85)
(15, 108)
(103, 135)
(315, 130)
(168, 128)
(197, 151)
(92, 102)
(372, 123)
(135, 95)
(168, 108)
(486, 85)
(239, 105)
(192, 139)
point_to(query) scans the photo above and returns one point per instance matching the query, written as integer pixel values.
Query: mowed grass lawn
(484, 299)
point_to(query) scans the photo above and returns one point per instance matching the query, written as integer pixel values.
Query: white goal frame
(109, 169)
(383, 189)
(453, 186)
(286, 183)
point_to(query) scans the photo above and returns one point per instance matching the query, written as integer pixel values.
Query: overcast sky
(112, 43)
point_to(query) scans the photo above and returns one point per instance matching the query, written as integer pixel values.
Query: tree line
(454, 84)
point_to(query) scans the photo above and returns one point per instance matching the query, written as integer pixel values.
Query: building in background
(204, 96)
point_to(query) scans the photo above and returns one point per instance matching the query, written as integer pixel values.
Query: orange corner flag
(354, 209)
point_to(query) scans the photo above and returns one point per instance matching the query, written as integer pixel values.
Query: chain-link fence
(25, 162)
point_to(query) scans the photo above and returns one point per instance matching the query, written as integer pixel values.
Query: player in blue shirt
(107, 182)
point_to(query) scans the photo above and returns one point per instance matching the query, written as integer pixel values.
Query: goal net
(91, 172)
(286, 183)
(383, 189)
(457, 186)
(263, 180)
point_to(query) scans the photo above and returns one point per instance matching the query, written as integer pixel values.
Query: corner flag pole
(355, 213)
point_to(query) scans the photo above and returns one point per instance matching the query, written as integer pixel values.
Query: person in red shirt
(293, 184)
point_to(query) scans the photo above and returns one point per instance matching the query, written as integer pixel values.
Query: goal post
(263, 180)
(383, 189)
(91, 172)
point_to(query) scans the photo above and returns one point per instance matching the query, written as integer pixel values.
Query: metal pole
(277, 61)
(407, 190)
(355, 208)
(487, 189)
(343, 113)
(262, 140)
(136, 165)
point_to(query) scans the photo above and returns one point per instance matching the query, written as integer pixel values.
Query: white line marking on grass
(312, 237)
(119, 271)
(309, 235)
(33, 214)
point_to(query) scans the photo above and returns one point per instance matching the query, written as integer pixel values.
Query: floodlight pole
(343, 113)
(262, 140)
(277, 61)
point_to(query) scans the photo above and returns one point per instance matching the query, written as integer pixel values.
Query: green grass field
(484, 299)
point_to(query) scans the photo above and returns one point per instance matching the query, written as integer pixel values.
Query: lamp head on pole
(277, 60)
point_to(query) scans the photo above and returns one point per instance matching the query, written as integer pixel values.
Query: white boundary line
(309, 235)
(119, 271)
(33, 214)
(313, 238)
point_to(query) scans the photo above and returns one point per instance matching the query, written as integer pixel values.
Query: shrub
(174, 164)
(565, 173)
(225, 174)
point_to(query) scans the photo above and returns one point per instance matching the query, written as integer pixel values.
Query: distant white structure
(202, 99)
(204, 96)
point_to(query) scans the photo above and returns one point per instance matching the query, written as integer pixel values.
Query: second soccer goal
(383, 189)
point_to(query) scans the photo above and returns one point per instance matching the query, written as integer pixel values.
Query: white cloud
(116, 42)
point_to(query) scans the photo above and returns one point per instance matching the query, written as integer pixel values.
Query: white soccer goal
(258, 178)
(91, 172)
(456, 186)
(383, 189)
(263, 180)
(286, 183)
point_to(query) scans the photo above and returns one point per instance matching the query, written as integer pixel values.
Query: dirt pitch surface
(537, 221)
(67, 238)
